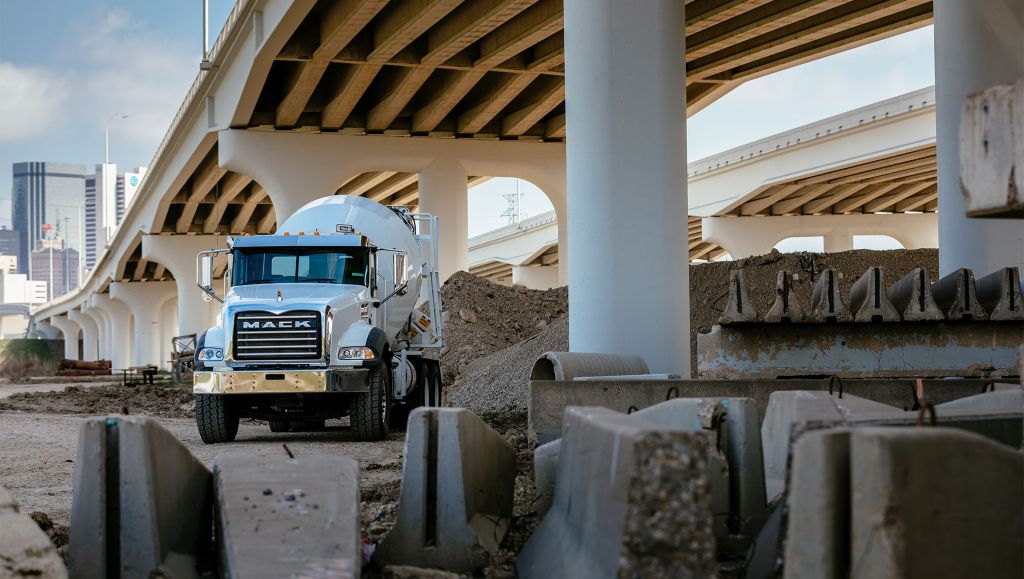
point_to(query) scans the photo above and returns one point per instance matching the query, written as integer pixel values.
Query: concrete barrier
(739, 309)
(25, 550)
(786, 307)
(786, 409)
(826, 300)
(1003, 398)
(142, 502)
(457, 492)
(999, 292)
(935, 502)
(287, 517)
(632, 499)
(956, 295)
(549, 399)
(545, 471)
(869, 298)
(570, 365)
(912, 297)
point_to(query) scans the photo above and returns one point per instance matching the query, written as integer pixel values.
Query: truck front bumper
(280, 382)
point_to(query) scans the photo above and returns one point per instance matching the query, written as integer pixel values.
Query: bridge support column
(102, 330)
(50, 332)
(145, 299)
(977, 45)
(70, 330)
(119, 331)
(178, 254)
(90, 335)
(747, 236)
(626, 161)
(444, 193)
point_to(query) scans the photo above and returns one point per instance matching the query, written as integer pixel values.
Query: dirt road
(37, 453)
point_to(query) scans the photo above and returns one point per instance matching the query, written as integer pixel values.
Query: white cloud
(31, 100)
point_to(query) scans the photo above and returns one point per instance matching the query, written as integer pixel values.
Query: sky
(67, 67)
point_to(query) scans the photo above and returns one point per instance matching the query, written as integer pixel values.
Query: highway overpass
(305, 97)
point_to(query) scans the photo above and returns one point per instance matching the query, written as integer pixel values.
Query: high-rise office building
(107, 195)
(56, 265)
(50, 194)
(10, 241)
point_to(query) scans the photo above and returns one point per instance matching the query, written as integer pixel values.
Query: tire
(280, 426)
(371, 410)
(215, 418)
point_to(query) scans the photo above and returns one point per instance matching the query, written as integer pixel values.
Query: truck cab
(330, 317)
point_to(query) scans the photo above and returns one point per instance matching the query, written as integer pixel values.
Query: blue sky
(66, 66)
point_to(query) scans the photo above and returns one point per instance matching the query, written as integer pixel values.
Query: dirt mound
(487, 366)
(481, 317)
(57, 533)
(166, 401)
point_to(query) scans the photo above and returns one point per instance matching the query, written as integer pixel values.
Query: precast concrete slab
(935, 502)
(912, 297)
(287, 517)
(869, 298)
(549, 399)
(957, 296)
(457, 492)
(142, 503)
(631, 499)
(787, 409)
(25, 550)
(818, 510)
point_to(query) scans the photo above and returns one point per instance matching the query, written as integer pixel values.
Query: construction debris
(68, 367)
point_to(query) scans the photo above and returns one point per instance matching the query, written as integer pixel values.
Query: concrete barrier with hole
(571, 365)
(25, 550)
(456, 502)
(142, 502)
(278, 516)
(904, 502)
(632, 498)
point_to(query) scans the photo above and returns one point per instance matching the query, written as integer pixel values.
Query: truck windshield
(346, 265)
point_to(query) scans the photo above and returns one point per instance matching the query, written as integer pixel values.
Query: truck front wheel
(217, 421)
(371, 410)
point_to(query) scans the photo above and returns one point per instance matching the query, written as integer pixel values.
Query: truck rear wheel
(280, 426)
(371, 410)
(215, 418)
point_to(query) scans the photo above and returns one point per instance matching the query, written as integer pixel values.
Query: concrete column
(103, 329)
(145, 299)
(626, 161)
(70, 330)
(178, 254)
(119, 326)
(541, 277)
(90, 335)
(839, 241)
(977, 45)
(444, 193)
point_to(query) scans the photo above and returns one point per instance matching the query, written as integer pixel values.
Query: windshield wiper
(318, 280)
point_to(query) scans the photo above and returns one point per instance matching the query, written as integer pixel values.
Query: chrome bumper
(284, 382)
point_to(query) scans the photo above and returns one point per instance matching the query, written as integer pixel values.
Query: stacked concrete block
(786, 307)
(869, 298)
(142, 502)
(632, 498)
(904, 502)
(739, 309)
(278, 516)
(912, 297)
(999, 292)
(956, 295)
(25, 550)
(796, 407)
(826, 300)
(457, 492)
(992, 151)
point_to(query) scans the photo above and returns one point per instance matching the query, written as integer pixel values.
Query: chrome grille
(290, 336)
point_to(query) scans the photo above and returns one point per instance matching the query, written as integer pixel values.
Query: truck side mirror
(401, 275)
(204, 274)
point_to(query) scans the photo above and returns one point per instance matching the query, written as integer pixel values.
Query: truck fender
(363, 335)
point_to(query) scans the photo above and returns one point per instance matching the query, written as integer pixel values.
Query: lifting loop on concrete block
(832, 380)
(631, 409)
(925, 405)
(673, 392)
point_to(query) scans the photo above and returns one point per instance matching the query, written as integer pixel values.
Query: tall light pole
(106, 135)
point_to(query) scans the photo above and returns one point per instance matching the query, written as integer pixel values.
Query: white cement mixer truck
(337, 314)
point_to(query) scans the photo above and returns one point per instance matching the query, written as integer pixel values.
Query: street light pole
(106, 135)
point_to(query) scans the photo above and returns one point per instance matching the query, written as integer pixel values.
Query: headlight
(357, 353)
(211, 354)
